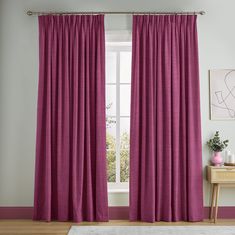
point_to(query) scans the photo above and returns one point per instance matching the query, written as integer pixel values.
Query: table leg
(212, 200)
(216, 202)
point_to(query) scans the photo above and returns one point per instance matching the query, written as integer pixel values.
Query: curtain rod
(32, 13)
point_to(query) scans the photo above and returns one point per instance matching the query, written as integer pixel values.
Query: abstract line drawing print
(222, 91)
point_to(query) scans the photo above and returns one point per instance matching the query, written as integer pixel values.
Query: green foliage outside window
(111, 153)
(124, 158)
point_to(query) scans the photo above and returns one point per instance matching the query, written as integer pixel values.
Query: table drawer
(225, 175)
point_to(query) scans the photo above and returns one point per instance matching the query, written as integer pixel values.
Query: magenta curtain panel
(70, 181)
(165, 144)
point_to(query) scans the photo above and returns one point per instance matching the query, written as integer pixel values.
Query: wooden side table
(219, 177)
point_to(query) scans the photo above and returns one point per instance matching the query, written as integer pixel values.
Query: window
(118, 90)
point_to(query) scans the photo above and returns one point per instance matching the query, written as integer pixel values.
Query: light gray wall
(19, 68)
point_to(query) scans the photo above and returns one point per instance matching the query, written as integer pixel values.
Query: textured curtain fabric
(165, 145)
(70, 181)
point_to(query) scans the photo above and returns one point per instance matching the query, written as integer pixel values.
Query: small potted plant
(217, 146)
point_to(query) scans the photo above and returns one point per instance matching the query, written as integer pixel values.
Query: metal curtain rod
(32, 13)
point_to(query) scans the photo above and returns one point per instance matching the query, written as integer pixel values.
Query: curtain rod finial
(29, 13)
(203, 12)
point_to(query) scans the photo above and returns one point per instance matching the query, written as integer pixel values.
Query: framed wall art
(222, 94)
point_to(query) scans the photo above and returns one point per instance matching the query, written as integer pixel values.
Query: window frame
(118, 47)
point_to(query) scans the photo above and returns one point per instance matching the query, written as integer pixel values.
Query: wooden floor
(24, 227)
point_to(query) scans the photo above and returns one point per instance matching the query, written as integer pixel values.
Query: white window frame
(118, 46)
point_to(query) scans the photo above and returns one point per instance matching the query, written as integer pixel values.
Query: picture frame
(222, 94)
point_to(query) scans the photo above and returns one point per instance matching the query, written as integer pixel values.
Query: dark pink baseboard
(118, 212)
(16, 212)
(115, 212)
(224, 212)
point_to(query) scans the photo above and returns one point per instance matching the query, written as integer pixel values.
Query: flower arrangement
(217, 145)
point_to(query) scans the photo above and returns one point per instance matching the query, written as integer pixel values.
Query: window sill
(118, 190)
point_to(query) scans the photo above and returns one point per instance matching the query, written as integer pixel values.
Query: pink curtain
(70, 179)
(165, 145)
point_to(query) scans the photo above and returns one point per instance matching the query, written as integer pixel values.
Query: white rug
(152, 230)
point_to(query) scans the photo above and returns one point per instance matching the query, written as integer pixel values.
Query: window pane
(110, 133)
(111, 165)
(111, 100)
(121, 68)
(111, 62)
(124, 165)
(125, 133)
(125, 67)
(125, 93)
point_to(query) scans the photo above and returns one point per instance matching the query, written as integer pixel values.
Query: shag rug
(152, 230)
